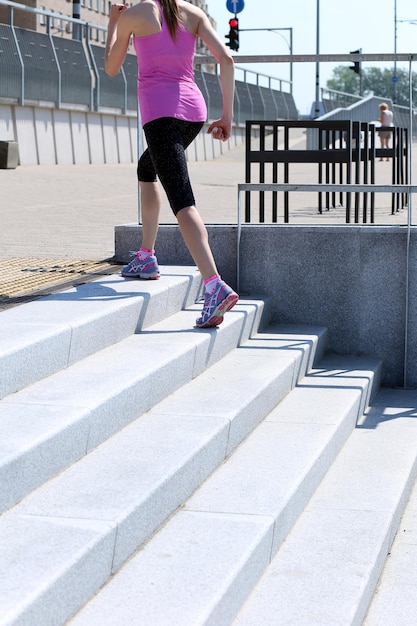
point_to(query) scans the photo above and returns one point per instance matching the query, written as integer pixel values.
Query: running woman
(173, 111)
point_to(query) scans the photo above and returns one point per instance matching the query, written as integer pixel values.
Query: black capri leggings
(167, 139)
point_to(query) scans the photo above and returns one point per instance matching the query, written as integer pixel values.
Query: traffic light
(356, 67)
(233, 35)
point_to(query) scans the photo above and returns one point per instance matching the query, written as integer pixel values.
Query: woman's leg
(195, 236)
(150, 207)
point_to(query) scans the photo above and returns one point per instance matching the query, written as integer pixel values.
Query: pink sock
(210, 283)
(143, 253)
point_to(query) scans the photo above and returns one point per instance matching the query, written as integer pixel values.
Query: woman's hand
(116, 10)
(220, 129)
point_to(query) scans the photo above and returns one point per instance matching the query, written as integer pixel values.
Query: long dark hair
(172, 15)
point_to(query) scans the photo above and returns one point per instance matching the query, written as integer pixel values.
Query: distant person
(173, 112)
(386, 119)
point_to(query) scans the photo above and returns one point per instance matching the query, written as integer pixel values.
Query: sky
(343, 27)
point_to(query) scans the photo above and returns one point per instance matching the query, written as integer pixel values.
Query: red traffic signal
(233, 35)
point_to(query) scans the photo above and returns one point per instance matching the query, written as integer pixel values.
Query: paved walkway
(71, 211)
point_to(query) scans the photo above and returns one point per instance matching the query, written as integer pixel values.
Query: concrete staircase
(152, 473)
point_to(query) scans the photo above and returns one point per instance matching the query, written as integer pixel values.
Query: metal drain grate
(25, 279)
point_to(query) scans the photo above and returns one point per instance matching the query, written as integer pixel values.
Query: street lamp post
(317, 98)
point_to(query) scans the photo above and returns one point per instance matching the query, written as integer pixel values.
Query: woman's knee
(145, 169)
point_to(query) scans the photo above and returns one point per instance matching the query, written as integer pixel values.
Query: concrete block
(314, 401)
(192, 287)
(381, 313)
(177, 288)
(127, 236)
(9, 155)
(411, 356)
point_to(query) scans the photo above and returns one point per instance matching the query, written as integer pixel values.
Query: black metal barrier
(344, 151)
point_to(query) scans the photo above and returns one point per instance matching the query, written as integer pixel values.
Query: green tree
(344, 79)
(374, 80)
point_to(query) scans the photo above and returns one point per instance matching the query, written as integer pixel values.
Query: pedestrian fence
(340, 155)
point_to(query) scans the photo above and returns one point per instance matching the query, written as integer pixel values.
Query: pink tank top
(166, 86)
